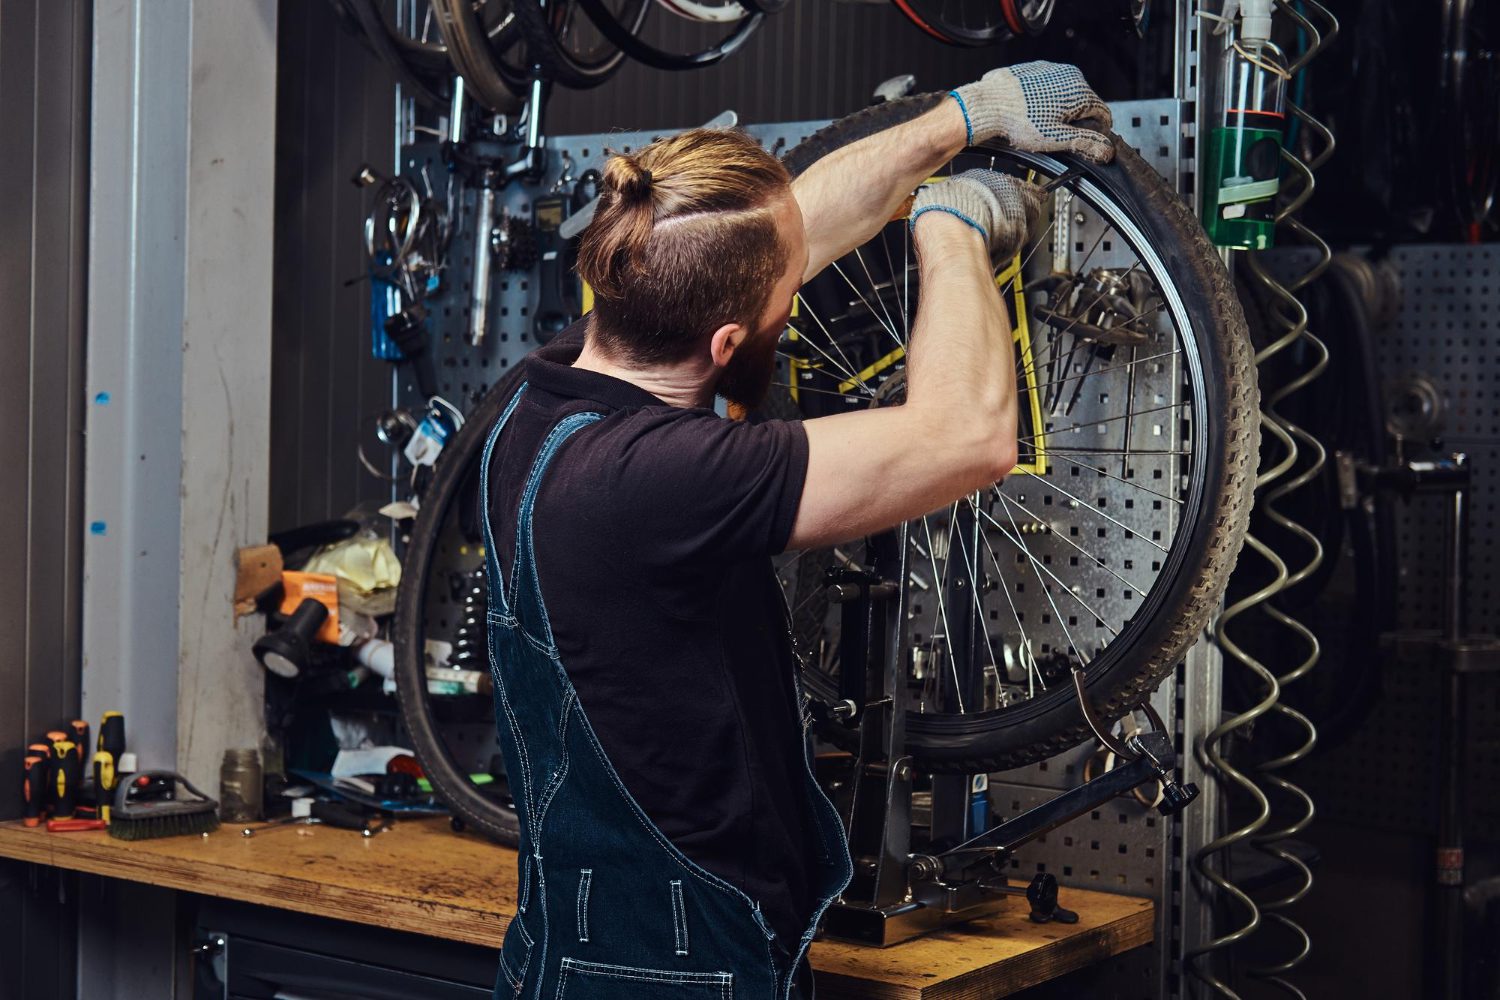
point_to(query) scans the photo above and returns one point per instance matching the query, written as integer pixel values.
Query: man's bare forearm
(961, 364)
(848, 195)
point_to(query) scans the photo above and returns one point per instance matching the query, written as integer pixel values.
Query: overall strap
(497, 596)
(525, 587)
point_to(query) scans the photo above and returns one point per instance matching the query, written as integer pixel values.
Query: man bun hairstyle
(684, 240)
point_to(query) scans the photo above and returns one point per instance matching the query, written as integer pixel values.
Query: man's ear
(725, 340)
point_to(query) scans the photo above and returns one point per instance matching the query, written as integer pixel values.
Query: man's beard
(747, 376)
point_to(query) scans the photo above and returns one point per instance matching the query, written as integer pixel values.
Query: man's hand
(1004, 209)
(1033, 106)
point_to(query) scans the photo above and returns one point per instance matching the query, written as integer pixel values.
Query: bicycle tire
(1186, 601)
(630, 43)
(1469, 87)
(468, 46)
(457, 463)
(705, 13)
(1014, 20)
(425, 86)
(557, 64)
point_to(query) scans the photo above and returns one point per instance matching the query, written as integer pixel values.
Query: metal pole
(1449, 859)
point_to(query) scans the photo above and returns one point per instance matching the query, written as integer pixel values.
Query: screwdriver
(104, 782)
(80, 737)
(111, 742)
(69, 774)
(36, 789)
(73, 825)
(112, 734)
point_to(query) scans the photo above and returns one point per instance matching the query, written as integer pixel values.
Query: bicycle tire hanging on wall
(978, 22)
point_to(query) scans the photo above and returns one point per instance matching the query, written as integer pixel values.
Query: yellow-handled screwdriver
(104, 782)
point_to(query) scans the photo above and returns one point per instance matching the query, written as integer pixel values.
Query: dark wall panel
(44, 99)
(335, 110)
(816, 59)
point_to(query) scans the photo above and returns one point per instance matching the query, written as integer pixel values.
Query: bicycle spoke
(1009, 600)
(906, 280)
(1043, 568)
(902, 304)
(1055, 534)
(1096, 300)
(1127, 482)
(942, 605)
(875, 290)
(1103, 420)
(1112, 368)
(947, 569)
(974, 591)
(1084, 505)
(851, 370)
(846, 369)
(821, 392)
(873, 314)
(1046, 591)
(1112, 451)
(1027, 259)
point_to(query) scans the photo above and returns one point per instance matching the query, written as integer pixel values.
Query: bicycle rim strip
(1079, 544)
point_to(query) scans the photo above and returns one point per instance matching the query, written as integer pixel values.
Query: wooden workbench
(422, 878)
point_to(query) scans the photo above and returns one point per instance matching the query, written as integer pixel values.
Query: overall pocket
(579, 980)
(515, 956)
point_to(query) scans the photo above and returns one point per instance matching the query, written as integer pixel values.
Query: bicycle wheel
(1469, 86)
(642, 51)
(977, 22)
(423, 79)
(445, 554)
(1109, 547)
(468, 42)
(578, 51)
(711, 12)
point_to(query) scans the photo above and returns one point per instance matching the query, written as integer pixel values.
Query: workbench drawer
(244, 952)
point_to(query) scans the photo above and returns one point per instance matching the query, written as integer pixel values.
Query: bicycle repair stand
(896, 895)
(1459, 654)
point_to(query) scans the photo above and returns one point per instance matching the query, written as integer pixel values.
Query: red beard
(747, 376)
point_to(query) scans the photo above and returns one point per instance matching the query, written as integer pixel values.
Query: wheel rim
(978, 22)
(1051, 597)
(720, 12)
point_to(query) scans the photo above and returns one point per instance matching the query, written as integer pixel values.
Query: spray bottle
(1243, 166)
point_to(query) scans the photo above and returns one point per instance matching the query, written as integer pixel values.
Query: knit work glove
(1031, 106)
(1003, 208)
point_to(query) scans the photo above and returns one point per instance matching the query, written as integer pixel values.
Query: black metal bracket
(894, 894)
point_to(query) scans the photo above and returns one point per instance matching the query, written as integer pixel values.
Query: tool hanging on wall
(480, 154)
(558, 299)
(406, 240)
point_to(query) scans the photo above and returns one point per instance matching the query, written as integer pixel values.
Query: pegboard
(1385, 777)
(463, 371)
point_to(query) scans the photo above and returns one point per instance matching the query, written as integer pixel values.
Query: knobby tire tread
(1230, 374)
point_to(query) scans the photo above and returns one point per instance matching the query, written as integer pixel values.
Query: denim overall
(608, 908)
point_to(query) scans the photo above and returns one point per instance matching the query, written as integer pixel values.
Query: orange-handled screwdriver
(36, 789)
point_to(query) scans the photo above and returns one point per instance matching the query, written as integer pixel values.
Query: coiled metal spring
(1297, 447)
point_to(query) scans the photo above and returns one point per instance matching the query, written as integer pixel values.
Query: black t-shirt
(653, 533)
